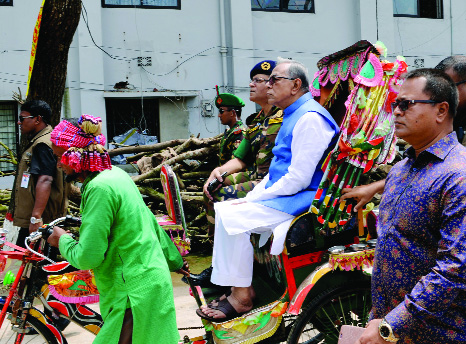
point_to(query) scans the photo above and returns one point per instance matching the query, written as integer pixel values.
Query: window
(8, 131)
(142, 3)
(124, 114)
(419, 9)
(6, 2)
(283, 5)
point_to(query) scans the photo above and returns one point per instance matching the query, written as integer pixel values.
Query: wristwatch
(34, 220)
(386, 332)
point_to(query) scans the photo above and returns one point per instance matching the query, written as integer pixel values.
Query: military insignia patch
(219, 100)
(265, 66)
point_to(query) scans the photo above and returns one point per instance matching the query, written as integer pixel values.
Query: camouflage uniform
(256, 151)
(230, 141)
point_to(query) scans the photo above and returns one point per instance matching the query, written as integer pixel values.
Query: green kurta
(131, 257)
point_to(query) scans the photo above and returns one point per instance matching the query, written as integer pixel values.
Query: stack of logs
(191, 159)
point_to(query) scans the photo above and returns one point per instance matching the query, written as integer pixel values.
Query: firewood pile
(191, 159)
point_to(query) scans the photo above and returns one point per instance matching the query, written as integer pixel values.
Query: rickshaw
(321, 280)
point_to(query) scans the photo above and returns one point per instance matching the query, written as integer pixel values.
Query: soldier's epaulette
(275, 120)
(253, 129)
(237, 131)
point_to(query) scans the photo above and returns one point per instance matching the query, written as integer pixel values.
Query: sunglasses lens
(404, 105)
(401, 104)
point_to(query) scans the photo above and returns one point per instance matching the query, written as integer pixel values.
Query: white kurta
(235, 220)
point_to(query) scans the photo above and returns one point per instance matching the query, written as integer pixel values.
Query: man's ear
(297, 83)
(443, 112)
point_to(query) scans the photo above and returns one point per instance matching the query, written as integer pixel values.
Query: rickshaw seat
(300, 238)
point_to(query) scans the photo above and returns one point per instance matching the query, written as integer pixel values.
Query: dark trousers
(127, 328)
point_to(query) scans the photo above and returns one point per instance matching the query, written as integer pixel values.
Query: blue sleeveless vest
(299, 202)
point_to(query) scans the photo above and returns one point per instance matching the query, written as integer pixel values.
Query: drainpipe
(451, 28)
(66, 100)
(223, 48)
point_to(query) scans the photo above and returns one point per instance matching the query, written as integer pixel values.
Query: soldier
(255, 151)
(229, 111)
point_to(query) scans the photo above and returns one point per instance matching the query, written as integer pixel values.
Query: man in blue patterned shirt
(419, 276)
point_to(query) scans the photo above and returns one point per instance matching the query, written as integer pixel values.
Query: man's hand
(363, 193)
(371, 334)
(216, 173)
(184, 270)
(34, 227)
(55, 237)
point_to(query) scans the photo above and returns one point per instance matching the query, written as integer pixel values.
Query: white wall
(16, 29)
(191, 38)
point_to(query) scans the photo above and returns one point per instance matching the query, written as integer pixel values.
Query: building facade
(154, 64)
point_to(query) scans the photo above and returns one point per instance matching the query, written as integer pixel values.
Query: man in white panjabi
(307, 134)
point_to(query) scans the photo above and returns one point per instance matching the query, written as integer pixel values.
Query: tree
(60, 18)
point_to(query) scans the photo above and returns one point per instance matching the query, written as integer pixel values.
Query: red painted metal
(12, 293)
(290, 264)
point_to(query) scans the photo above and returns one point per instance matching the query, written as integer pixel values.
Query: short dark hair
(38, 108)
(237, 110)
(439, 86)
(456, 62)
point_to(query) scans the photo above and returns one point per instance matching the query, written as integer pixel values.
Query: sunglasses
(404, 104)
(221, 111)
(21, 118)
(256, 81)
(273, 79)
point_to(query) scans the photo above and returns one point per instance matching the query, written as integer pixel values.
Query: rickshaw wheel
(321, 320)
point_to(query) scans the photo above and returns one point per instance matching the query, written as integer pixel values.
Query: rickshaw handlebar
(47, 230)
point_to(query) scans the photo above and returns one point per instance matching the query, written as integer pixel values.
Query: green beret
(229, 100)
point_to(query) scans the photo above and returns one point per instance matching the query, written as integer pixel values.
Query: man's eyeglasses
(256, 81)
(273, 79)
(21, 118)
(460, 82)
(404, 104)
(221, 111)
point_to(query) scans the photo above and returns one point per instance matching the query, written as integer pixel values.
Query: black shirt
(43, 162)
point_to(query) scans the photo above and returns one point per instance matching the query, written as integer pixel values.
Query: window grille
(283, 5)
(418, 9)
